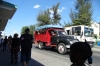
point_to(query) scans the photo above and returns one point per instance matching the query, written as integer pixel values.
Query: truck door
(53, 37)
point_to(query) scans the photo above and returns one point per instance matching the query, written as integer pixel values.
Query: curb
(95, 49)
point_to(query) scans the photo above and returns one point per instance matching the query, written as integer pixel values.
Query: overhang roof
(7, 11)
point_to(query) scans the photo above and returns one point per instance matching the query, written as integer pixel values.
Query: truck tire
(40, 45)
(62, 48)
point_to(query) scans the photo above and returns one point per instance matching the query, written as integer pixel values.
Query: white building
(95, 26)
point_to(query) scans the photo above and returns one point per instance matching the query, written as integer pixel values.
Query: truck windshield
(88, 32)
(62, 33)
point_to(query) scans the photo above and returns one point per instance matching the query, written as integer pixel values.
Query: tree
(44, 18)
(95, 36)
(67, 24)
(23, 29)
(83, 13)
(56, 16)
(32, 28)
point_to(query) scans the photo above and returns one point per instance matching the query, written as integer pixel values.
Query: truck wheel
(62, 48)
(40, 45)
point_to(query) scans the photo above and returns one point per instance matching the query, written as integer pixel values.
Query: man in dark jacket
(26, 41)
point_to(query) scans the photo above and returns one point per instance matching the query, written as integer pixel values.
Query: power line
(21, 4)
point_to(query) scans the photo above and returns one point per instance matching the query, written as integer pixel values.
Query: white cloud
(51, 11)
(36, 6)
(59, 10)
(63, 8)
(51, 16)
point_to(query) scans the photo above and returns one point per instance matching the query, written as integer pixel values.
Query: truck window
(62, 33)
(88, 32)
(43, 31)
(52, 33)
(76, 31)
(68, 32)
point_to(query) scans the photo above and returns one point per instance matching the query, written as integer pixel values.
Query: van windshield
(62, 33)
(88, 32)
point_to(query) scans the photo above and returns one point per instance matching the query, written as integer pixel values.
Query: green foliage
(56, 15)
(32, 28)
(67, 24)
(44, 18)
(95, 36)
(83, 13)
(23, 29)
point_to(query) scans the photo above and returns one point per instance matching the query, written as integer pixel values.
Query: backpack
(26, 41)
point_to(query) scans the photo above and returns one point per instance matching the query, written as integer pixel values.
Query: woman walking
(14, 48)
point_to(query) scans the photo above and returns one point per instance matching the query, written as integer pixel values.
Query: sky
(28, 10)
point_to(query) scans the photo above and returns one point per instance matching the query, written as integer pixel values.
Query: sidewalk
(38, 59)
(96, 48)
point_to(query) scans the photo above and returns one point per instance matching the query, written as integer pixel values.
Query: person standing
(1, 40)
(5, 44)
(26, 45)
(9, 42)
(14, 48)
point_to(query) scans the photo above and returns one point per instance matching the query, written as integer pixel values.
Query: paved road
(46, 58)
(48, 52)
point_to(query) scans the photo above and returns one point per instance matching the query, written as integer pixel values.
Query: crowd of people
(79, 51)
(14, 44)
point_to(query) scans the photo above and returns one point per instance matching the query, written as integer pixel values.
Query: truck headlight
(71, 42)
(67, 46)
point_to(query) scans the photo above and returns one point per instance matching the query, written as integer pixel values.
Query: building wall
(95, 26)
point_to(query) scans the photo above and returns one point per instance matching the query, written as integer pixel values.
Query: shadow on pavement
(5, 60)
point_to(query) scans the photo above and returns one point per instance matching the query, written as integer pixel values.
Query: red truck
(53, 36)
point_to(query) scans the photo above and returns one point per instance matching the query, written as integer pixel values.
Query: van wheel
(40, 45)
(62, 48)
